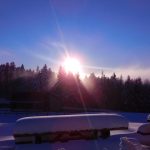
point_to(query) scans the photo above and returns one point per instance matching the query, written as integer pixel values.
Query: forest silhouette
(45, 90)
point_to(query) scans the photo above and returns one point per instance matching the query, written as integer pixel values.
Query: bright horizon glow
(52, 30)
(72, 65)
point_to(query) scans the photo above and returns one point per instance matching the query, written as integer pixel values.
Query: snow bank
(43, 124)
(67, 127)
(144, 134)
(130, 144)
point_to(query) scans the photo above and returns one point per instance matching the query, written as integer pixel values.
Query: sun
(72, 65)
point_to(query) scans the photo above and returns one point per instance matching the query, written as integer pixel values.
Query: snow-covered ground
(7, 123)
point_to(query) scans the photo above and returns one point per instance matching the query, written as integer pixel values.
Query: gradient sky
(113, 35)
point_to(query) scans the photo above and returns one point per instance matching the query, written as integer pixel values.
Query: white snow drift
(41, 124)
(67, 127)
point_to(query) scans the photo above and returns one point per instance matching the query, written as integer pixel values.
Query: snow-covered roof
(42, 124)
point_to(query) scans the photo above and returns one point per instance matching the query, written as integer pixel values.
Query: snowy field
(117, 138)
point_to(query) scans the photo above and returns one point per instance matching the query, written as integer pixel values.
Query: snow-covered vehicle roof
(41, 124)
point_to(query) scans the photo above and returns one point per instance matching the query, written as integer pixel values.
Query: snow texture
(130, 144)
(6, 138)
(7, 124)
(42, 124)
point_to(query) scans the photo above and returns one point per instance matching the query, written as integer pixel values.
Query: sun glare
(72, 65)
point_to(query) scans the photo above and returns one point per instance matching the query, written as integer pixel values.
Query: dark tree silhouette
(44, 90)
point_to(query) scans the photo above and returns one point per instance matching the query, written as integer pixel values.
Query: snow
(144, 129)
(42, 124)
(144, 139)
(7, 124)
(131, 144)
(148, 117)
(6, 138)
(144, 134)
(111, 143)
(135, 117)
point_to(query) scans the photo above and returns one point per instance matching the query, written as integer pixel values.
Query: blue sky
(113, 35)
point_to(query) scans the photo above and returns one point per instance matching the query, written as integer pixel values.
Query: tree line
(45, 90)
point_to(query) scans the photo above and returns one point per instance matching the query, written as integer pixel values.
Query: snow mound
(43, 124)
(144, 134)
(130, 144)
